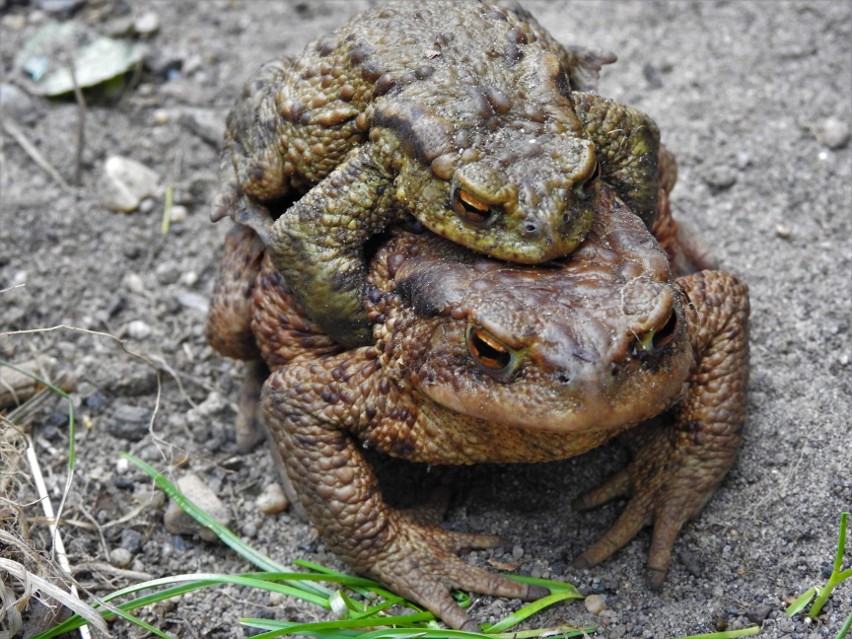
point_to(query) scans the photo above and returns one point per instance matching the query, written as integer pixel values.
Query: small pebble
(167, 272)
(199, 492)
(834, 133)
(517, 552)
(124, 183)
(194, 301)
(151, 498)
(595, 604)
(783, 232)
(147, 205)
(129, 422)
(19, 278)
(213, 404)
(759, 613)
(122, 465)
(147, 23)
(59, 8)
(133, 283)
(721, 177)
(189, 278)
(137, 329)
(191, 64)
(743, 160)
(272, 500)
(14, 22)
(17, 103)
(206, 124)
(178, 214)
(162, 116)
(120, 557)
(131, 540)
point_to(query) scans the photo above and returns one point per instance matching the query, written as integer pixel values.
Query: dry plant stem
(13, 427)
(103, 568)
(18, 136)
(81, 123)
(17, 385)
(47, 507)
(38, 583)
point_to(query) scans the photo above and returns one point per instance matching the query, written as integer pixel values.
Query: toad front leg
(678, 465)
(318, 244)
(628, 144)
(311, 408)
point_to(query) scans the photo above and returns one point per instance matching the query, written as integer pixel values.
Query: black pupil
(666, 333)
(475, 212)
(489, 355)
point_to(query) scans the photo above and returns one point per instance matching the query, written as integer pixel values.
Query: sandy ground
(754, 99)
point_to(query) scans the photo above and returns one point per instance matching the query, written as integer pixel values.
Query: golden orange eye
(490, 353)
(655, 340)
(472, 209)
(585, 188)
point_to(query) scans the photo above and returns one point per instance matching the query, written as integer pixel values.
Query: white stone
(272, 500)
(125, 183)
(198, 492)
(595, 604)
(137, 329)
(147, 23)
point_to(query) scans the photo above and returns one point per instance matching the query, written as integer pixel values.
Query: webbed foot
(421, 563)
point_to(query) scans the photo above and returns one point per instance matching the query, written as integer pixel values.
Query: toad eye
(471, 209)
(655, 340)
(490, 354)
(586, 187)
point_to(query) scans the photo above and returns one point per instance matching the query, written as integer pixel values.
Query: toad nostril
(563, 377)
(531, 227)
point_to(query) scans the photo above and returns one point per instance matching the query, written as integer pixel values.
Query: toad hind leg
(310, 409)
(318, 244)
(229, 330)
(678, 465)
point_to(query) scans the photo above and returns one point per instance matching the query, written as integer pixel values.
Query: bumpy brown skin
(602, 354)
(402, 110)
(229, 327)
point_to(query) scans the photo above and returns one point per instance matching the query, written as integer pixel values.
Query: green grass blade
(426, 633)
(847, 626)
(142, 624)
(271, 625)
(265, 581)
(563, 632)
(727, 634)
(803, 600)
(528, 610)
(363, 587)
(72, 451)
(553, 586)
(228, 538)
(841, 543)
(366, 622)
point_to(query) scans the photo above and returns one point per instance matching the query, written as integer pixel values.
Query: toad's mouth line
(588, 410)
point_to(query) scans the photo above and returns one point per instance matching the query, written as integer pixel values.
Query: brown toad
(462, 372)
(462, 114)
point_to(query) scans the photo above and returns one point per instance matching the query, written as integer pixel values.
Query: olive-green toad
(467, 115)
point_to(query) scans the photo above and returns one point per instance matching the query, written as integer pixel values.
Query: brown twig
(29, 148)
(81, 123)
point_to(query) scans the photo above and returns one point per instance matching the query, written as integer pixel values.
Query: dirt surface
(754, 98)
